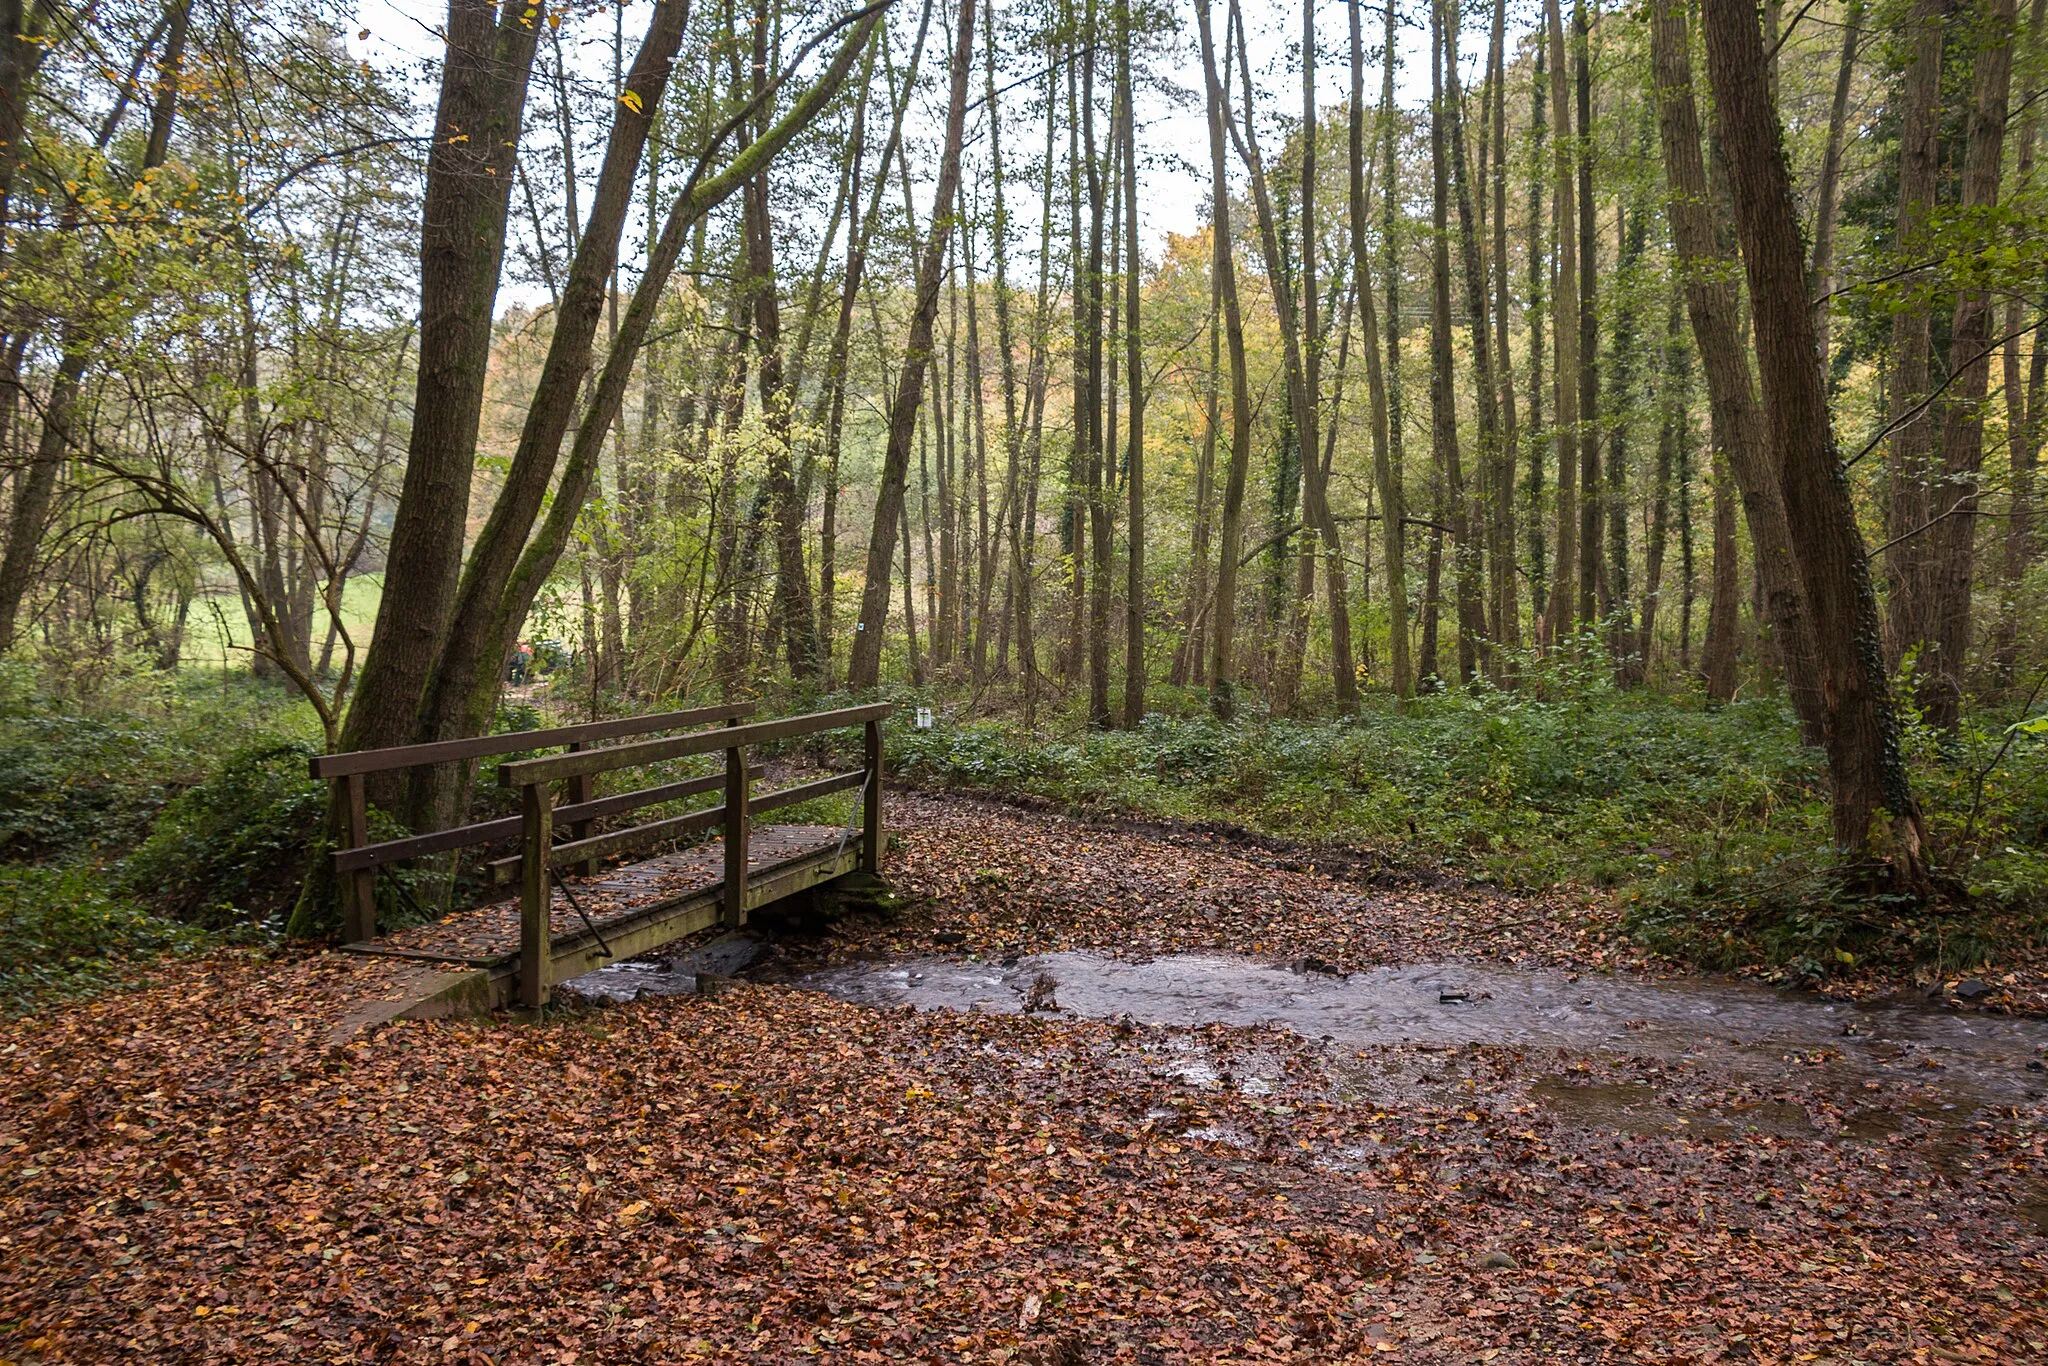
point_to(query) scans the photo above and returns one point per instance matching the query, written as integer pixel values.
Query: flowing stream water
(1746, 1027)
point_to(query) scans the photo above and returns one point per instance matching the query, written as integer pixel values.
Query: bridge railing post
(582, 788)
(736, 785)
(359, 889)
(871, 801)
(536, 896)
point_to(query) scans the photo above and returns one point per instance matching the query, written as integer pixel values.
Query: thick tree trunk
(462, 246)
(1739, 431)
(1862, 731)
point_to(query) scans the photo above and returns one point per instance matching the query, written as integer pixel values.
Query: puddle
(1457, 1003)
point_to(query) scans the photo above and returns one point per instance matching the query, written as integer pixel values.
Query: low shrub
(64, 930)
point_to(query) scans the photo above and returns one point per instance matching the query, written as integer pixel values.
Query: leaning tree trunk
(1864, 761)
(470, 169)
(1740, 435)
(864, 664)
(1230, 533)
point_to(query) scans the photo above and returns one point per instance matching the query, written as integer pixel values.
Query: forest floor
(192, 1170)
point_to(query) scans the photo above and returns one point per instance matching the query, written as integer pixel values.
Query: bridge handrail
(527, 772)
(511, 742)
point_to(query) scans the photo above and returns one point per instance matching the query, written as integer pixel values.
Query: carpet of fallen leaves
(193, 1171)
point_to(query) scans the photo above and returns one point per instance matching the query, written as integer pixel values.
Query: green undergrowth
(148, 815)
(1710, 824)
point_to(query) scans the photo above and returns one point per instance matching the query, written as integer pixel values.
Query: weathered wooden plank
(599, 847)
(521, 772)
(736, 785)
(359, 901)
(803, 792)
(536, 894)
(480, 746)
(485, 832)
(871, 801)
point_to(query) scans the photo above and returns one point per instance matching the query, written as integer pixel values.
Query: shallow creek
(1746, 1028)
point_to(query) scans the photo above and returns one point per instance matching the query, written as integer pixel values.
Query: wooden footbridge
(516, 948)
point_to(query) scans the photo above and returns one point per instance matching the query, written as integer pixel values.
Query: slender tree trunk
(1954, 549)
(1910, 604)
(1590, 565)
(1222, 666)
(1486, 390)
(1298, 343)
(1442, 378)
(1134, 386)
(865, 656)
(1539, 580)
(1724, 601)
(1557, 618)
(1393, 503)
(2023, 404)
(1507, 599)
(1862, 731)
(1821, 274)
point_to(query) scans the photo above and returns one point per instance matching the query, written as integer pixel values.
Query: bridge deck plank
(490, 933)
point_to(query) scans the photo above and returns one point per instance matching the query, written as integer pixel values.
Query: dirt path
(191, 1172)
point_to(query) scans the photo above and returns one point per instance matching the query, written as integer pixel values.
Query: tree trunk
(462, 247)
(1557, 617)
(1590, 566)
(1739, 430)
(1443, 407)
(1507, 599)
(1724, 600)
(865, 656)
(1954, 548)
(1393, 504)
(1539, 578)
(1134, 387)
(1821, 274)
(1908, 562)
(1222, 665)
(1862, 731)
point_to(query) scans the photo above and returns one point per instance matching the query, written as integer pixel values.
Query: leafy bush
(61, 932)
(233, 848)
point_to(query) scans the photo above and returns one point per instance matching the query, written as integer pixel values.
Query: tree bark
(462, 247)
(1393, 505)
(1909, 619)
(865, 655)
(1864, 761)
(1557, 617)
(1739, 431)
(1954, 549)
(1222, 675)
